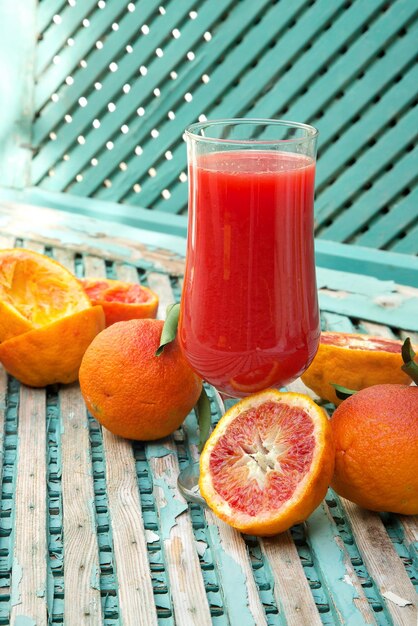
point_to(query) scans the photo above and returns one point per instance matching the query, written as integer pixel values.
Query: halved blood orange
(121, 300)
(35, 290)
(354, 361)
(268, 463)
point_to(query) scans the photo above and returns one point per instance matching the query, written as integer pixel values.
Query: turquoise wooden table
(93, 529)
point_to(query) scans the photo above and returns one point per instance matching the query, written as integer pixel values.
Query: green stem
(410, 367)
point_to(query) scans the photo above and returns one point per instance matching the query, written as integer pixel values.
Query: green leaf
(170, 327)
(343, 393)
(410, 367)
(203, 417)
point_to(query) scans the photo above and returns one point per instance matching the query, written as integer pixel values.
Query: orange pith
(35, 290)
(268, 463)
(354, 361)
(121, 300)
(376, 442)
(132, 392)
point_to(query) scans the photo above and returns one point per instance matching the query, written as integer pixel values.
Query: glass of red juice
(249, 317)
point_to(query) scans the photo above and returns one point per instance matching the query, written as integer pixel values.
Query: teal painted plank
(46, 11)
(97, 62)
(388, 186)
(236, 100)
(165, 230)
(330, 558)
(169, 131)
(111, 90)
(17, 51)
(395, 311)
(387, 150)
(384, 265)
(336, 323)
(355, 140)
(55, 37)
(409, 244)
(401, 215)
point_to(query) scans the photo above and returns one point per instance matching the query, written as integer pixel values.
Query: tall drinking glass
(249, 315)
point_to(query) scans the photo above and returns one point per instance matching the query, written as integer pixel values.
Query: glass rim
(191, 131)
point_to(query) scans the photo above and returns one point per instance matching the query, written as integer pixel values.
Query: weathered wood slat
(346, 595)
(291, 589)
(410, 528)
(383, 563)
(186, 582)
(136, 598)
(30, 554)
(82, 603)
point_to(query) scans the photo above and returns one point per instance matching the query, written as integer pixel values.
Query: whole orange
(376, 441)
(132, 392)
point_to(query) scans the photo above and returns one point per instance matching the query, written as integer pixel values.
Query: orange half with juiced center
(121, 300)
(354, 361)
(35, 290)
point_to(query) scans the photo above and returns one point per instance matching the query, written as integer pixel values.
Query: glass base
(188, 478)
(188, 483)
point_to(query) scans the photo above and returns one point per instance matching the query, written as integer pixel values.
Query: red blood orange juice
(249, 316)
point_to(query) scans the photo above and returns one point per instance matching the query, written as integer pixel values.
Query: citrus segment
(132, 392)
(121, 300)
(53, 353)
(354, 361)
(268, 463)
(376, 441)
(35, 290)
(256, 380)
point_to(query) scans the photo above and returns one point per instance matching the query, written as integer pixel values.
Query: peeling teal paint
(171, 510)
(156, 450)
(50, 582)
(17, 574)
(329, 558)
(92, 509)
(40, 593)
(24, 620)
(233, 581)
(95, 578)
